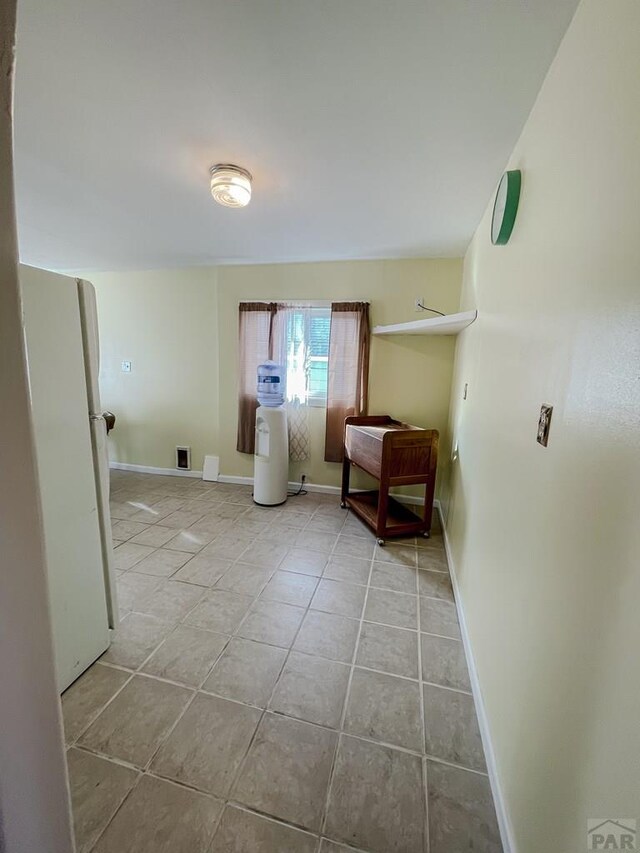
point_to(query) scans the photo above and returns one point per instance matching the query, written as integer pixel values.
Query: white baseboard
(248, 481)
(310, 487)
(235, 481)
(314, 487)
(504, 824)
(146, 469)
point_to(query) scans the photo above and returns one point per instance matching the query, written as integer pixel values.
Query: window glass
(308, 353)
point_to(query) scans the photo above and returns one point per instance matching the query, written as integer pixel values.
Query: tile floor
(278, 684)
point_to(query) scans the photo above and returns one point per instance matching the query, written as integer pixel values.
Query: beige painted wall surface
(546, 542)
(165, 323)
(179, 329)
(410, 377)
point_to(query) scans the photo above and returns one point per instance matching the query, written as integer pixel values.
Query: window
(304, 337)
(307, 352)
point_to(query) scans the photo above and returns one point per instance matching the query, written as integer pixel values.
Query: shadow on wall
(569, 707)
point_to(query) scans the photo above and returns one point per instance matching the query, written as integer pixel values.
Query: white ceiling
(373, 128)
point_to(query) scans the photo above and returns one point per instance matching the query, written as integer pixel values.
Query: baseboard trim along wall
(244, 481)
(504, 825)
(146, 469)
(313, 487)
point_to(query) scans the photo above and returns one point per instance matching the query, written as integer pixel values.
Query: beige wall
(165, 323)
(410, 378)
(546, 542)
(179, 330)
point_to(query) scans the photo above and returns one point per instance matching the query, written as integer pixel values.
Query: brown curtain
(256, 344)
(348, 381)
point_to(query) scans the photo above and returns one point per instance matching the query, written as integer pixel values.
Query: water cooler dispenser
(271, 459)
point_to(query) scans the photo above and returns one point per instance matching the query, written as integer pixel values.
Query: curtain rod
(312, 303)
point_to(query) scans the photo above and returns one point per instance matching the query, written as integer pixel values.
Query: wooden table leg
(428, 507)
(346, 473)
(383, 509)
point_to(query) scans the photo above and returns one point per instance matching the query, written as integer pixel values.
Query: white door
(64, 453)
(98, 426)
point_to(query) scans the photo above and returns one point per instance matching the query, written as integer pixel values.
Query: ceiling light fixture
(230, 185)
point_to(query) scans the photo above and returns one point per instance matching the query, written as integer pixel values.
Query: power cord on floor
(301, 490)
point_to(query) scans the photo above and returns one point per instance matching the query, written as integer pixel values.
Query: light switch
(544, 422)
(126, 367)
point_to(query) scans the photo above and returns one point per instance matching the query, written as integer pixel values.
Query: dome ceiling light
(230, 185)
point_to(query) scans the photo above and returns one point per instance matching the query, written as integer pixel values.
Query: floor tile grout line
(327, 799)
(426, 833)
(170, 731)
(233, 562)
(344, 844)
(238, 559)
(322, 726)
(392, 746)
(291, 546)
(120, 762)
(230, 801)
(181, 530)
(118, 666)
(435, 759)
(280, 821)
(103, 707)
(113, 816)
(264, 711)
(194, 692)
(183, 785)
(243, 760)
(440, 636)
(306, 609)
(182, 621)
(193, 689)
(171, 576)
(423, 763)
(343, 715)
(179, 783)
(448, 687)
(164, 679)
(347, 698)
(256, 597)
(309, 520)
(291, 604)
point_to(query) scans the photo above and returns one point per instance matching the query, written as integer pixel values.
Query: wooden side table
(396, 454)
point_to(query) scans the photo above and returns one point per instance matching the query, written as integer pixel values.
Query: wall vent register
(183, 458)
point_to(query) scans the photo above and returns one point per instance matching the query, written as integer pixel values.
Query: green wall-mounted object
(505, 207)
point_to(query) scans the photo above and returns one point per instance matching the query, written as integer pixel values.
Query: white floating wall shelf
(450, 324)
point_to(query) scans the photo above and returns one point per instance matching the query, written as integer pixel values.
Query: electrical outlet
(126, 367)
(418, 303)
(544, 422)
